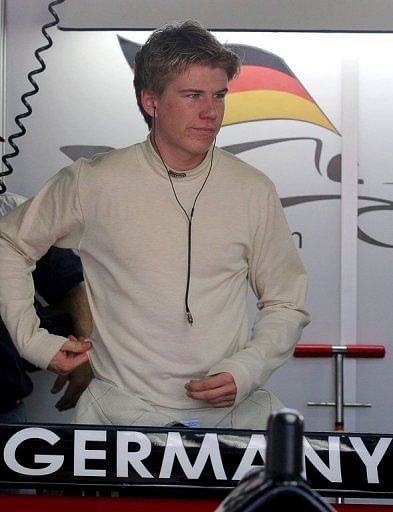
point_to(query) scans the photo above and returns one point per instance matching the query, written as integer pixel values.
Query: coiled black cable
(28, 112)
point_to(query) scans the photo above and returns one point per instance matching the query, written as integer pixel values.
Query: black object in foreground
(279, 487)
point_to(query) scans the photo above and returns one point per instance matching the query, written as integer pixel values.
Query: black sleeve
(56, 273)
(15, 384)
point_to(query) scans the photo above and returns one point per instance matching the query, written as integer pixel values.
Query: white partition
(86, 102)
(272, 15)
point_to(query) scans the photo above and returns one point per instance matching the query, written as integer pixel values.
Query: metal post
(339, 391)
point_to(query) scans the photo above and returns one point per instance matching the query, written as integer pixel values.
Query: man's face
(188, 115)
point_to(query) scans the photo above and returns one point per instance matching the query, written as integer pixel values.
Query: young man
(169, 232)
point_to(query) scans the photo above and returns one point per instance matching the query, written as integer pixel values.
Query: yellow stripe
(241, 107)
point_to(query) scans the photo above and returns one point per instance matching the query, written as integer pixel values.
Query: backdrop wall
(86, 103)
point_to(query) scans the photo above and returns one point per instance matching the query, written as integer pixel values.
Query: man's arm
(52, 217)
(278, 279)
(75, 304)
(58, 278)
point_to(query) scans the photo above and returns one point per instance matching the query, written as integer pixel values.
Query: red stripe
(254, 78)
(103, 504)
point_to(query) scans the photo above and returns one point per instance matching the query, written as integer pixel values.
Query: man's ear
(149, 101)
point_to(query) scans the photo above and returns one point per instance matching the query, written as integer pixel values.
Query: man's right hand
(71, 355)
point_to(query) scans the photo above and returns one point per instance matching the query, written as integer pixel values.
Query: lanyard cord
(189, 316)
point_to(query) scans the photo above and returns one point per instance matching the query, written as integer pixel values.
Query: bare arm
(75, 303)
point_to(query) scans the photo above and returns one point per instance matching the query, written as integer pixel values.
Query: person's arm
(52, 217)
(75, 304)
(279, 281)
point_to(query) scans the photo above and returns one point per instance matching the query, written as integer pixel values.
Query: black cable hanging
(28, 112)
(190, 318)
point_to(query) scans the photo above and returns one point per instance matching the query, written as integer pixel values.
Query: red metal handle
(313, 351)
(363, 351)
(376, 351)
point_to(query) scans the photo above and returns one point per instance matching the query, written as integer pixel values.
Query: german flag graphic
(267, 89)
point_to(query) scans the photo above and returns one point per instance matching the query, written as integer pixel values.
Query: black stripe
(252, 56)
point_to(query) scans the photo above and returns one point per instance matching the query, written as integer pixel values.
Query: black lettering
(299, 237)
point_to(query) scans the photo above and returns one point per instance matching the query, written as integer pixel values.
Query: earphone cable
(189, 316)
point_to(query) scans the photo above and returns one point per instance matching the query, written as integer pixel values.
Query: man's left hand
(218, 390)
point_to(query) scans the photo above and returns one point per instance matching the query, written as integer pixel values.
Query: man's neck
(176, 162)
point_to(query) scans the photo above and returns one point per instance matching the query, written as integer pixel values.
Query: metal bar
(324, 350)
(333, 404)
(339, 391)
(371, 351)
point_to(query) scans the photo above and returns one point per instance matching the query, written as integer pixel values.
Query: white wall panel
(309, 15)
(86, 98)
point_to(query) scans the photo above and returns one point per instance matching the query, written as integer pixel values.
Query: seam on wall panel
(349, 223)
(349, 199)
(2, 74)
